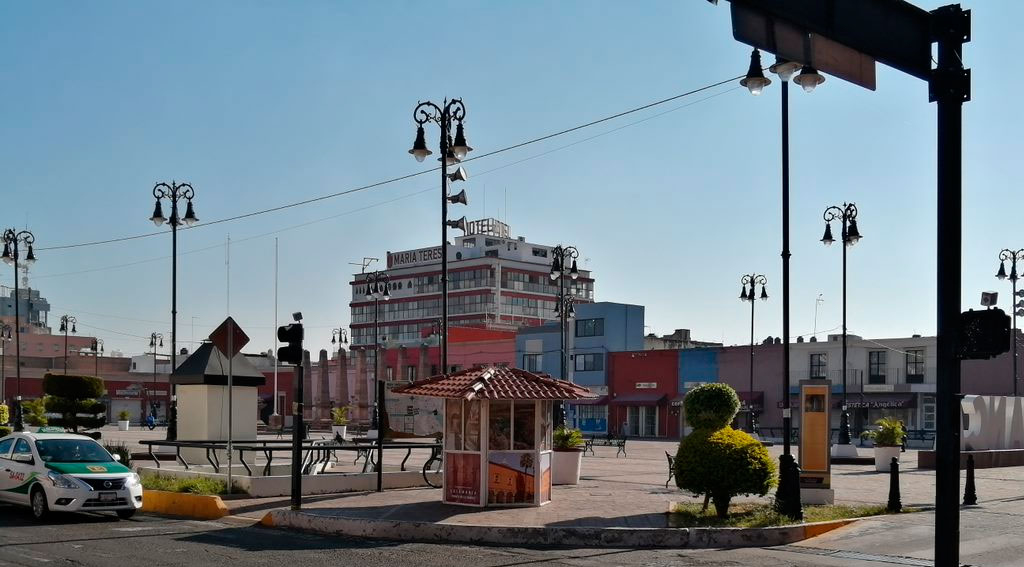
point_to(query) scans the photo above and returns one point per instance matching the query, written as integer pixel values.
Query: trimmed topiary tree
(717, 461)
(711, 406)
(5, 414)
(33, 412)
(74, 398)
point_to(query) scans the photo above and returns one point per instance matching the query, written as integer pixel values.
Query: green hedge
(73, 386)
(722, 464)
(5, 431)
(711, 406)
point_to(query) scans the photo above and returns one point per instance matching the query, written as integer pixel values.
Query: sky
(263, 104)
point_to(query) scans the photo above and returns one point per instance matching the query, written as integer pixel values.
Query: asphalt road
(93, 539)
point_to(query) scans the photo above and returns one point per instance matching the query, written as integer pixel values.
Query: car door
(22, 471)
(6, 476)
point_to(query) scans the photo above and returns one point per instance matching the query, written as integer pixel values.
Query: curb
(547, 535)
(198, 506)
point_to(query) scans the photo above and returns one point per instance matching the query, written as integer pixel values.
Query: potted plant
(339, 421)
(888, 440)
(567, 457)
(123, 418)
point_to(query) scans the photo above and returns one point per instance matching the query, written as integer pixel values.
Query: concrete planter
(883, 457)
(565, 466)
(123, 425)
(339, 431)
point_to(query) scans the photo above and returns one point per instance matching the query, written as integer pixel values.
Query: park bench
(607, 441)
(921, 435)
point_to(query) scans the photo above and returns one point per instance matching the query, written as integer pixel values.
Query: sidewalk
(625, 492)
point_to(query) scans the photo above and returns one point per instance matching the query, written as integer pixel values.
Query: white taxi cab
(63, 472)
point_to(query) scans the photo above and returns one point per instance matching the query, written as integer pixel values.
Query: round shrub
(711, 406)
(722, 464)
(5, 414)
(4, 431)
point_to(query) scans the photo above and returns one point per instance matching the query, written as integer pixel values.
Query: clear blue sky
(261, 104)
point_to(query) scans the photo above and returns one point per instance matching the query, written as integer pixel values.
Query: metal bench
(607, 441)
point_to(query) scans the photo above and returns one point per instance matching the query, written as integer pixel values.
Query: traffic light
(984, 334)
(291, 334)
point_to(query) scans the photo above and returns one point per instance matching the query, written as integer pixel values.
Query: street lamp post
(173, 193)
(1013, 256)
(339, 337)
(452, 152)
(377, 284)
(563, 268)
(788, 495)
(67, 323)
(847, 215)
(752, 280)
(155, 339)
(97, 350)
(13, 240)
(5, 337)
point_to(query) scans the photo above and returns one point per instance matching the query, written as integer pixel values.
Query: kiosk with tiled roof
(497, 433)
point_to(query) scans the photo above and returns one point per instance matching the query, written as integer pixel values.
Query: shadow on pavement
(255, 538)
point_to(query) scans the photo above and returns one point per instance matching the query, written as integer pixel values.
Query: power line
(407, 176)
(389, 201)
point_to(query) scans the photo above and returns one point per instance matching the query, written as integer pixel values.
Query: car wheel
(125, 514)
(40, 509)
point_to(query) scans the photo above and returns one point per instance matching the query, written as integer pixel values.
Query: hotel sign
(414, 257)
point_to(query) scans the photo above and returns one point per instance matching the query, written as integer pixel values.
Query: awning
(751, 400)
(646, 399)
(866, 401)
(877, 401)
(602, 401)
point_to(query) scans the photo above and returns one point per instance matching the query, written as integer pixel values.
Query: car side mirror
(23, 458)
(117, 458)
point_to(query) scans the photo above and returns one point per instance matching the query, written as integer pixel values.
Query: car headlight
(61, 481)
(132, 480)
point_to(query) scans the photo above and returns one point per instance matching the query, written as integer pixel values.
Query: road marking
(857, 555)
(138, 529)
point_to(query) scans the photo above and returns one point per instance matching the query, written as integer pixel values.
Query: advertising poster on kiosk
(462, 478)
(510, 478)
(545, 477)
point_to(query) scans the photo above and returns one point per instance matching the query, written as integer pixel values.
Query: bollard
(970, 492)
(894, 504)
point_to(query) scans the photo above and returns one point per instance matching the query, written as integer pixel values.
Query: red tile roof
(496, 383)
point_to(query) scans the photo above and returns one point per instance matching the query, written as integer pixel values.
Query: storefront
(640, 414)
(591, 415)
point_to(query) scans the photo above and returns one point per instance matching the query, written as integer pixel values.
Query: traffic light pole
(950, 88)
(297, 429)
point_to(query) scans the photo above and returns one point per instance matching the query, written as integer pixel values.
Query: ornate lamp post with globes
(67, 323)
(1013, 257)
(174, 192)
(13, 240)
(563, 269)
(752, 280)
(5, 337)
(452, 152)
(377, 284)
(847, 215)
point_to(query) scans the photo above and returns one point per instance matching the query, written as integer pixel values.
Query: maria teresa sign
(414, 257)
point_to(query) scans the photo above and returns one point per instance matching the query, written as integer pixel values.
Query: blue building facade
(696, 366)
(598, 329)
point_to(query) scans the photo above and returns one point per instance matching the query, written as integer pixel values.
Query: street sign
(219, 337)
(793, 43)
(893, 32)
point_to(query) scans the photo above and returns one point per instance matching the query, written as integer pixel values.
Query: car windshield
(72, 451)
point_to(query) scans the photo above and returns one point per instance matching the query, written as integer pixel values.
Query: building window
(819, 365)
(491, 253)
(589, 362)
(540, 253)
(410, 373)
(492, 242)
(389, 372)
(469, 243)
(876, 367)
(928, 412)
(915, 366)
(532, 362)
(590, 327)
